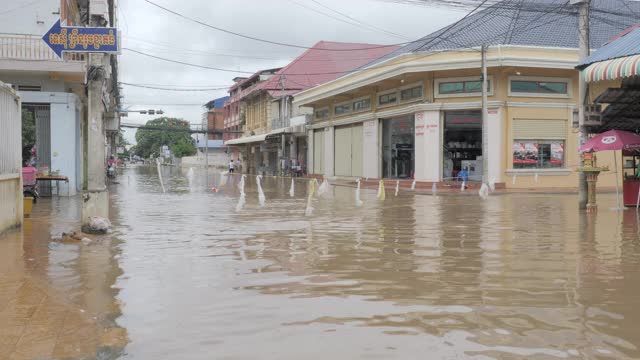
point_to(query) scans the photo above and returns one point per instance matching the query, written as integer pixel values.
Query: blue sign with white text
(81, 39)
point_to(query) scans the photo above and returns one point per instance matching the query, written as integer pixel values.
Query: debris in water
(397, 187)
(312, 189)
(381, 192)
(413, 185)
(324, 188)
(434, 189)
(492, 184)
(358, 201)
(291, 189)
(261, 198)
(484, 191)
(98, 224)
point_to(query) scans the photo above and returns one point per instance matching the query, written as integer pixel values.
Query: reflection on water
(438, 276)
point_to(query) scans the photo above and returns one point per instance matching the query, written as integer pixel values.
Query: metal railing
(32, 47)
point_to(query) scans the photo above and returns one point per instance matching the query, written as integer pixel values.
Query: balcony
(30, 53)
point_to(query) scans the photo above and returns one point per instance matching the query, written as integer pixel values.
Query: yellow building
(416, 113)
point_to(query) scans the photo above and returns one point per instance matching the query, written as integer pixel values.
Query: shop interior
(462, 146)
(631, 177)
(398, 151)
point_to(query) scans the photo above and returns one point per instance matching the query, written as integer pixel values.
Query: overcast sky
(151, 30)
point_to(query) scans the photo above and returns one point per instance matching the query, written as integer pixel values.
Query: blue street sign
(81, 39)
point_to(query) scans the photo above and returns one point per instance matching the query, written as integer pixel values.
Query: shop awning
(246, 139)
(613, 69)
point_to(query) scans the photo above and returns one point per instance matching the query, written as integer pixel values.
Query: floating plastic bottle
(413, 185)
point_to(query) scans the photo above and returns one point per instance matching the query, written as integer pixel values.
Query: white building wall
(496, 143)
(428, 146)
(329, 149)
(370, 149)
(10, 159)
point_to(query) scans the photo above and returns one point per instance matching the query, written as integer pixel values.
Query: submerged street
(185, 276)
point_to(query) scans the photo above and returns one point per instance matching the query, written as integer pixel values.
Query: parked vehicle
(29, 183)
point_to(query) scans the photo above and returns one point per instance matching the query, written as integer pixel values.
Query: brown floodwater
(416, 276)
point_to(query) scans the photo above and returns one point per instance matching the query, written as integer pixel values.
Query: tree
(28, 128)
(166, 131)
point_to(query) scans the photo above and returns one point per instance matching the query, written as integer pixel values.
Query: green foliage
(171, 132)
(28, 128)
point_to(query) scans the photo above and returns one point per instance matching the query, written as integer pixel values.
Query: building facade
(53, 89)
(275, 140)
(416, 114)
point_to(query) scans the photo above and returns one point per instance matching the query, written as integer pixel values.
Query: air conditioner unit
(593, 115)
(99, 8)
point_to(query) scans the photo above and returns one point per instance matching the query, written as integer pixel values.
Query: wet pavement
(185, 276)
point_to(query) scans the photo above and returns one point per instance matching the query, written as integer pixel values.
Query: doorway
(398, 157)
(462, 145)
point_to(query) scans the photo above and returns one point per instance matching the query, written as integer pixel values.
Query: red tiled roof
(315, 67)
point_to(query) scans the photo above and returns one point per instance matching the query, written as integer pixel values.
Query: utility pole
(283, 109)
(485, 115)
(583, 52)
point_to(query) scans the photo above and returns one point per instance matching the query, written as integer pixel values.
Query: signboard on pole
(81, 39)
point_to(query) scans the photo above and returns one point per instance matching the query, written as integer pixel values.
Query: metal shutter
(342, 153)
(539, 129)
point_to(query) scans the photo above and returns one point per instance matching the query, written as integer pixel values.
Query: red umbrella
(612, 140)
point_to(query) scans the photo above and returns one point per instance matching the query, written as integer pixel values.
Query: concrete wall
(10, 159)
(217, 158)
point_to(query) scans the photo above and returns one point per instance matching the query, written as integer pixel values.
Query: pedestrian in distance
(231, 166)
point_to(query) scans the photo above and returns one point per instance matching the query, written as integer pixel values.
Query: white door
(318, 151)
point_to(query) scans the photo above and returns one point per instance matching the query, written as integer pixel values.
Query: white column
(309, 163)
(370, 149)
(428, 146)
(328, 151)
(496, 144)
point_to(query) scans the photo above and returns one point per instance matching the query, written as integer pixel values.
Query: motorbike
(29, 183)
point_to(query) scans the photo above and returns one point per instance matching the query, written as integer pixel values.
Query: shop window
(542, 87)
(461, 87)
(361, 105)
(538, 154)
(411, 93)
(342, 109)
(322, 114)
(388, 99)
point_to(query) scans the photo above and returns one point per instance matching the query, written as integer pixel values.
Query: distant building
(274, 138)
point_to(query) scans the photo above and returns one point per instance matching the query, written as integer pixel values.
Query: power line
(188, 64)
(345, 21)
(361, 22)
(171, 89)
(259, 39)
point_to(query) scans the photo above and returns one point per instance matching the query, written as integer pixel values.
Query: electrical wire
(361, 22)
(345, 21)
(259, 39)
(171, 89)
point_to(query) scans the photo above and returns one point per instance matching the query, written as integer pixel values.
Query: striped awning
(613, 69)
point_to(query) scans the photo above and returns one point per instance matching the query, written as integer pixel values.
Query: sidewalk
(55, 298)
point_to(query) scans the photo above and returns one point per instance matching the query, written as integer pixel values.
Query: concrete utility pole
(583, 52)
(485, 115)
(95, 194)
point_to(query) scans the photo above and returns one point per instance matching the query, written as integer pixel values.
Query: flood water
(415, 276)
